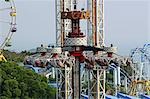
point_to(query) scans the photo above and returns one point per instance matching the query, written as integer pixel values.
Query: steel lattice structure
(70, 37)
(80, 57)
(141, 57)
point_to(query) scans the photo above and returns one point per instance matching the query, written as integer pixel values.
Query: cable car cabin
(13, 29)
(8, 44)
(13, 14)
(7, 0)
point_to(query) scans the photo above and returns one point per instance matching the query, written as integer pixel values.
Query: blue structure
(84, 96)
(145, 97)
(35, 69)
(124, 96)
(107, 97)
(111, 97)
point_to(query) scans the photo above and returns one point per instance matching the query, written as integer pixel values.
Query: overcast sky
(126, 24)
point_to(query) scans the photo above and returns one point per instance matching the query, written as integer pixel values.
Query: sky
(126, 24)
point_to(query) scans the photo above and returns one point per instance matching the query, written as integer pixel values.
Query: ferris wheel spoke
(3, 21)
(2, 9)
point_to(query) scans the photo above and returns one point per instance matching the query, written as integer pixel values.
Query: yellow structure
(13, 14)
(2, 58)
(144, 84)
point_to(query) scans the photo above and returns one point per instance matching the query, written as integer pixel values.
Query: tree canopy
(14, 56)
(17, 82)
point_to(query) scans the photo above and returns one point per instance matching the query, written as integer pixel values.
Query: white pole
(118, 75)
(125, 83)
(115, 79)
(53, 72)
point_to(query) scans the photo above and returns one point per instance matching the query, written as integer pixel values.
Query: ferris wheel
(141, 56)
(7, 22)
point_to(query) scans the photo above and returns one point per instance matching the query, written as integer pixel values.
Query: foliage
(13, 56)
(109, 88)
(109, 75)
(51, 80)
(19, 83)
(128, 69)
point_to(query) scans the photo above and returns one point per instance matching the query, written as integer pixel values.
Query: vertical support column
(76, 79)
(100, 22)
(60, 83)
(62, 26)
(84, 79)
(89, 84)
(94, 19)
(68, 82)
(57, 89)
(126, 84)
(89, 24)
(102, 83)
(96, 22)
(64, 80)
(115, 80)
(53, 72)
(58, 4)
(118, 77)
(141, 70)
(96, 84)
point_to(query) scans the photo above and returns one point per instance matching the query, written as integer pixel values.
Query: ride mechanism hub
(75, 39)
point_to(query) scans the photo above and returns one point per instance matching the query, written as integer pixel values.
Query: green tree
(17, 82)
(16, 57)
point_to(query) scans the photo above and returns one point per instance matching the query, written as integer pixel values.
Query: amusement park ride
(141, 81)
(8, 24)
(82, 57)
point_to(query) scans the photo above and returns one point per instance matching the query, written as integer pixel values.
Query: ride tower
(80, 58)
(80, 45)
